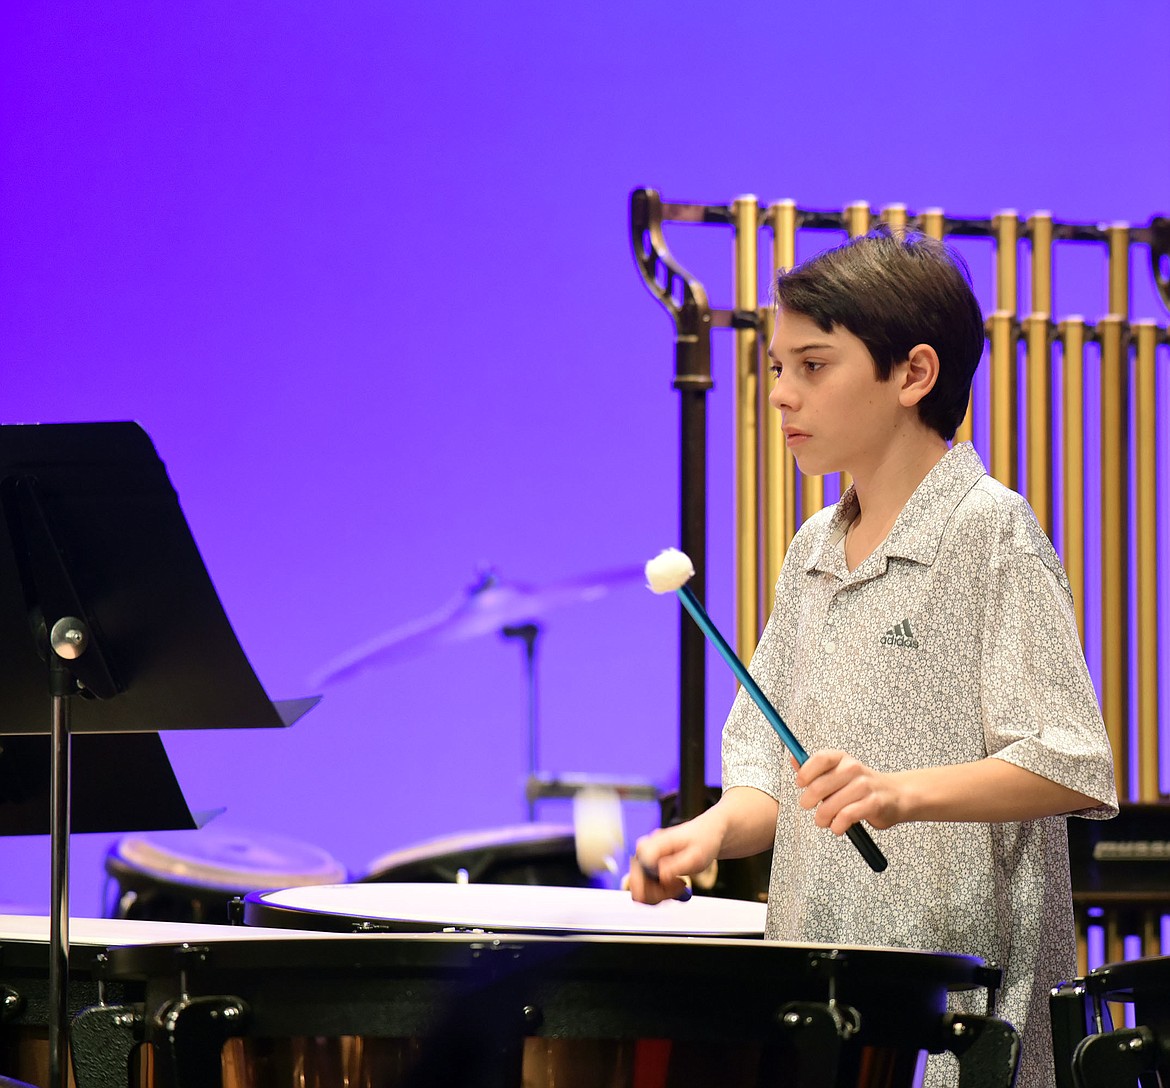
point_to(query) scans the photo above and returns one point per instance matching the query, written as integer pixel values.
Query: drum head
(223, 860)
(429, 908)
(518, 854)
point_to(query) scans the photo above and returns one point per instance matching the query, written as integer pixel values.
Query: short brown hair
(894, 290)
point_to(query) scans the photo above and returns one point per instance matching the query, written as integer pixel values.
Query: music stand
(120, 782)
(109, 623)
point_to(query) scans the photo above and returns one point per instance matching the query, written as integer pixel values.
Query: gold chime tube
(1118, 237)
(1038, 450)
(1145, 496)
(1007, 235)
(746, 214)
(1004, 358)
(1114, 940)
(1040, 233)
(778, 513)
(858, 221)
(812, 495)
(894, 216)
(1038, 369)
(1114, 554)
(1004, 399)
(784, 234)
(857, 218)
(933, 223)
(1151, 933)
(1072, 538)
(966, 429)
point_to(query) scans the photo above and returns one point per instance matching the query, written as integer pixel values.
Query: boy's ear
(917, 374)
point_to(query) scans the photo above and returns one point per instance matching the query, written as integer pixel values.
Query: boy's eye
(811, 366)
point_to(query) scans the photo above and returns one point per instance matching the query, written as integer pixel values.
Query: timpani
(441, 985)
(1089, 1051)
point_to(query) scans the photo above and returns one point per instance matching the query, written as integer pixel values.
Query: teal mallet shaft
(857, 834)
(670, 578)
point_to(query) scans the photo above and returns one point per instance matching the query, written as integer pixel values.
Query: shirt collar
(918, 530)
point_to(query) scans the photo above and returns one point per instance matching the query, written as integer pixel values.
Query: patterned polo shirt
(953, 641)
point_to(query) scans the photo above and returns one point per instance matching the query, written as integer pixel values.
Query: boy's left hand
(844, 791)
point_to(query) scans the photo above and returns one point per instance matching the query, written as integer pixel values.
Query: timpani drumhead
(429, 908)
(530, 853)
(191, 876)
(102, 933)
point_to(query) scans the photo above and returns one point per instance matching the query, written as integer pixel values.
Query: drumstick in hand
(671, 570)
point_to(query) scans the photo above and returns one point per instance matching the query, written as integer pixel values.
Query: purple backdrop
(361, 270)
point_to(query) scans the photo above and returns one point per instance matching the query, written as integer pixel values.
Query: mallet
(671, 570)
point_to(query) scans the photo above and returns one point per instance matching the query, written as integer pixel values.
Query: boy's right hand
(665, 856)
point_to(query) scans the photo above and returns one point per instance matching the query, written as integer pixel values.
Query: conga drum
(531, 853)
(192, 876)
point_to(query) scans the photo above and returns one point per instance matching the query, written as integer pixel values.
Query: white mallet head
(598, 830)
(669, 570)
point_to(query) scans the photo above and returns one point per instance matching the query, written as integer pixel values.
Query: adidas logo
(900, 635)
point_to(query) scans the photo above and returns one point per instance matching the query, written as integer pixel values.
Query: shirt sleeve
(1040, 710)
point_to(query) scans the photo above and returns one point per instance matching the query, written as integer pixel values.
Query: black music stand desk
(109, 624)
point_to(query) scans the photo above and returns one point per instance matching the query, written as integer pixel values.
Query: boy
(922, 647)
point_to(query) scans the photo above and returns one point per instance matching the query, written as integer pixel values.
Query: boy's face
(836, 412)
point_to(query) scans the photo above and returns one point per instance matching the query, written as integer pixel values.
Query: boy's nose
(779, 396)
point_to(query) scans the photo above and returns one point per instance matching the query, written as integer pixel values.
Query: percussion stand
(528, 633)
(559, 787)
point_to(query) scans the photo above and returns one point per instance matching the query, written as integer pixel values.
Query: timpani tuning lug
(11, 1003)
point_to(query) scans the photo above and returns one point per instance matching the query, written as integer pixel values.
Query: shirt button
(830, 646)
